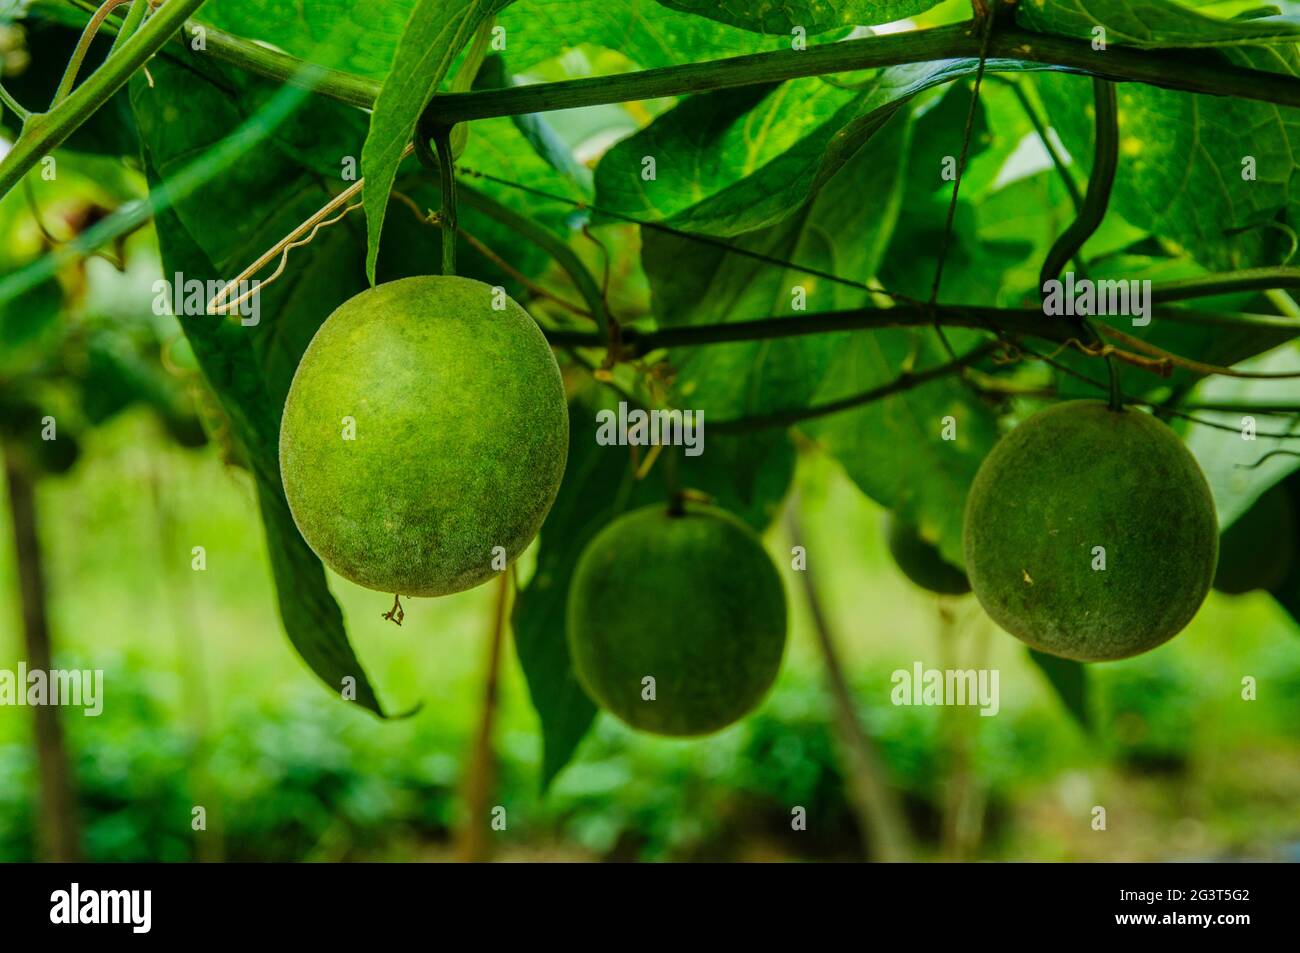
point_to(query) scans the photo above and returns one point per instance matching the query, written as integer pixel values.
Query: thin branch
(905, 381)
(1196, 367)
(880, 813)
(1190, 72)
(14, 105)
(83, 47)
(447, 185)
(559, 250)
(44, 132)
(134, 17)
(1232, 282)
(1029, 322)
(473, 845)
(1158, 408)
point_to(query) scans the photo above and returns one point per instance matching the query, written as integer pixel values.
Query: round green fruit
(1076, 488)
(690, 599)
(1257, 550)
(422, 430)
(920, 561)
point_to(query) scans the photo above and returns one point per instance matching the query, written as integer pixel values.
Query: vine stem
(44, 132)
(82, 48)
(1096, 201)
(473, 845)
(884, 825)
(905, 381)
(986, 33)
(1189, 72)
(14, 105)
(559, 250)
(447, 214)
(134, 17)
(1030, 322)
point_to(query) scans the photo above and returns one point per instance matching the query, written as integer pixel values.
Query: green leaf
(1181, 166)
(1151, 24)
(361, 36)
(29, 325)
(748, 476)
(1287, 592)
(736, 161)
(647, 34)
(1232, 464)
(1069, 679)
(814, 16)
(535, 129)
(843, 231)
(356, 36)
(434, 34)
(893, 449)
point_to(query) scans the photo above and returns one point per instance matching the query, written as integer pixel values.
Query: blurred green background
(206, 704)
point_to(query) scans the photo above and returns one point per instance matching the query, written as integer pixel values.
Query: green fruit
(690, 599)
(1072, 478)
(460, 436)
(921, 561)
(1257, 550)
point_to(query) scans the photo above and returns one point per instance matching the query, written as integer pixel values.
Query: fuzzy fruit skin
(1256, 552)
(921, 562)
(461, 436)
(692, 600)
(1075, 476)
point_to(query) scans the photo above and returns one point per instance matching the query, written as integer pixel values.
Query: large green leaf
(843, 231)
(1069, 680)
(748, 476)
(815, 16)
(361, 36)
(893, 449)
(647, 34)
(1183, 163)
(1151, 24)
(435, 32)
(357, 36)
(1240, 470)
(1287, 592)
(732, 162)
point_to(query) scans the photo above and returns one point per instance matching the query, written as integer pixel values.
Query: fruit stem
(447, 216)
(1116, 395)
(395, 615)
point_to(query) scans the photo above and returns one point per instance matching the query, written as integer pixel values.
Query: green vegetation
(920, 561)
(1256, 552)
